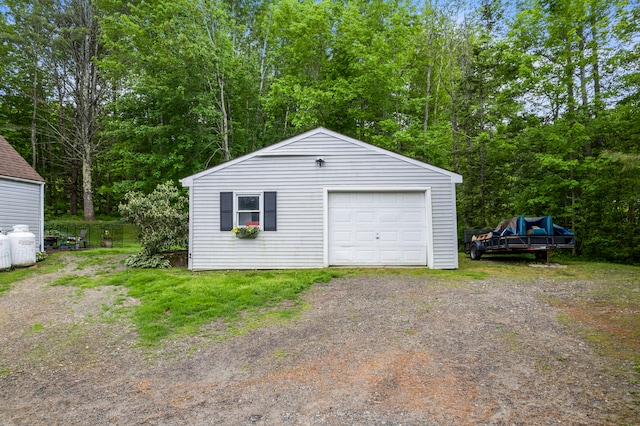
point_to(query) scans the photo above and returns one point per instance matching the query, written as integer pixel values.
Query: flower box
(246, 232)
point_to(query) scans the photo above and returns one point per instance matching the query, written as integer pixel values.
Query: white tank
(23, 246)
(5, 251)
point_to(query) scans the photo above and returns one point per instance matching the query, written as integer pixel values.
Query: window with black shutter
(226, 211)
(248, 209)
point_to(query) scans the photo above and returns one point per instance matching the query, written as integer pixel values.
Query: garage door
(377, 228)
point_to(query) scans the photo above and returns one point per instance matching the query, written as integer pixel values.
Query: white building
(21, 194)
(323, 199)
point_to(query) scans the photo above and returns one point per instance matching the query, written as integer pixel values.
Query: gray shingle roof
(13, 165)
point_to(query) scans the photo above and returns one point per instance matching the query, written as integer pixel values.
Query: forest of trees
(535, 103)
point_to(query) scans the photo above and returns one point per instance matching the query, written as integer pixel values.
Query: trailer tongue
(537, 235)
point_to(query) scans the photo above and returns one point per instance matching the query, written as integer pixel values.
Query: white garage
(377, 228)
(322, 199)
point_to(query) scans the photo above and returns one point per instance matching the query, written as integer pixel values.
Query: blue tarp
(523, 226)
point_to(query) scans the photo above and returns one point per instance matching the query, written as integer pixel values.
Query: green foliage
(163, 219)
(145, 260)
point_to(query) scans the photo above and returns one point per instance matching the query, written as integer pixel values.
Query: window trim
(236, 211)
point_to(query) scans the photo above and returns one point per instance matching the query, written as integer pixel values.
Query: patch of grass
(278, 354)
(8, 278)
(511, 338)
(179, 301)
(77, 280)
(37, 327)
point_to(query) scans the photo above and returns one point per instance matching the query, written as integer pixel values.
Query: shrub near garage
(163, 219)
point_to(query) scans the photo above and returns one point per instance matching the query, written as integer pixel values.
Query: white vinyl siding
(290, 169)
(22, 205)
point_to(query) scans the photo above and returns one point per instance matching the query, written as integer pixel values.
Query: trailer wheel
(474, 252)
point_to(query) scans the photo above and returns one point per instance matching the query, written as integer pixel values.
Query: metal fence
(59, 235)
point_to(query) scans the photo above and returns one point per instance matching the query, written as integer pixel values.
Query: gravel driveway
(389, 349)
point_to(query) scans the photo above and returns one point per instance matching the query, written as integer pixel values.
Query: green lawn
(175, 301)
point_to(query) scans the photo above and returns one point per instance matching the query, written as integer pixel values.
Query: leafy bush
(144, 260)
(163, 219)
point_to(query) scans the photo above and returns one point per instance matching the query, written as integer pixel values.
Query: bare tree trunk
(582, 65)
(438, 83)
(595, 63)
(87, 96)
(34, 115)
(569, 69)
(224, 124)
(425, 125)
(453, 93)
(87, 186)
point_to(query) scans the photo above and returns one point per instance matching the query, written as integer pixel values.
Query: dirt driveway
(370, 350)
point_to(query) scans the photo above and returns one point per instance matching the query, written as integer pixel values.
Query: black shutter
(270, 211)
(226, 211)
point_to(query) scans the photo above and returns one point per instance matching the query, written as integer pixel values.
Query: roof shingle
(13, 165)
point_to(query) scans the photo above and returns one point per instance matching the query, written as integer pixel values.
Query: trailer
(536, 235)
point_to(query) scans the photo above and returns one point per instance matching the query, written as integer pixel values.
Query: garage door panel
(389, 236)
(342, 255)
(363, 198)
(364, 217)
(365, 256)
(413, 255)
(392, 217)
(389, 256)
(413, 217)
(342, 216)
(341, 198)
(389, 199)
(343, 237)
(377, 228)
(412, 237)
(365, 236)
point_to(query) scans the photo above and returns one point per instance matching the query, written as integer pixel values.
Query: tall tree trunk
(87, 185)
(425, 125)
(224, 123)
(595, 64)
(569, 70)
(583, 66)
(34, 114)
(87, 96)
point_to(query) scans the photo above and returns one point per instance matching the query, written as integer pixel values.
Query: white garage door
(377, 228)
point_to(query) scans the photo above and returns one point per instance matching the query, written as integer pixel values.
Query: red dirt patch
(620, 321)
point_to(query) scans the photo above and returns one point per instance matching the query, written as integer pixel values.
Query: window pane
(249, 202)
(245, 217)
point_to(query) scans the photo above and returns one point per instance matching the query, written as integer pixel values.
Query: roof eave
(17, 179)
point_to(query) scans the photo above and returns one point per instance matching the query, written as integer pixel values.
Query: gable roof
(187, 181)
(12, 164)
